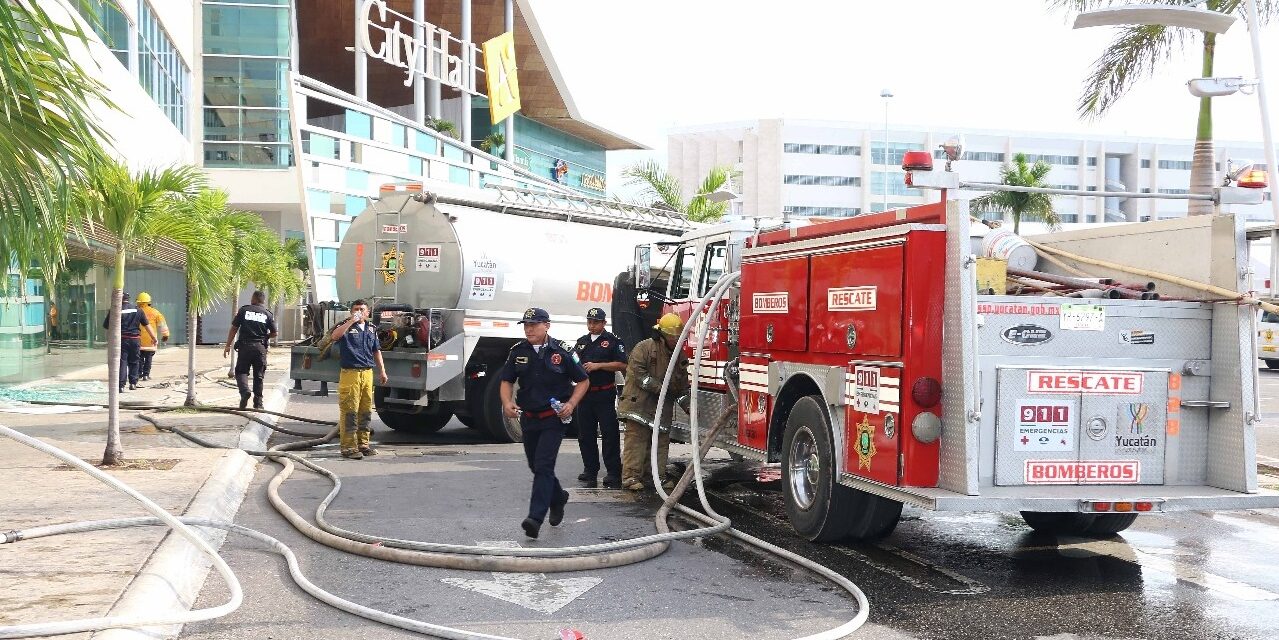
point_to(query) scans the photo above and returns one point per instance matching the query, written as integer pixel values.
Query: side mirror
(642, 273)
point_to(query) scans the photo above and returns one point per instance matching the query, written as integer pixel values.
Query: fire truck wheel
(489, 408)
(1060, 522)
(422, 422)
(1111, 523)
(818, 507)
(469, 421)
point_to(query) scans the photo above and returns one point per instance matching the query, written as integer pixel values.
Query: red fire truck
(869, 364)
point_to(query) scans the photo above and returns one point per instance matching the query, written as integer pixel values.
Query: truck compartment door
(774, 305)
(856, 300)
(872, 419)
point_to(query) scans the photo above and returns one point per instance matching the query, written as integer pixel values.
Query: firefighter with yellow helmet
(148, 342)
(644, 373)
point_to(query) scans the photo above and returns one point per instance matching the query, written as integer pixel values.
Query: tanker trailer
(448, 279)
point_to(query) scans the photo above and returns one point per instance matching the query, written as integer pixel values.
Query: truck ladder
(577, 208)
(387, 238)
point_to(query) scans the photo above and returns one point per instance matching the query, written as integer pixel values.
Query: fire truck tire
(819, 508)
(489, 409)
(1060, 522)
(422, 422)
(1272, 364)
(470, 421)
(1111, 523)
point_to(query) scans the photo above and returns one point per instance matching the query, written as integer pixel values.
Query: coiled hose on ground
(449, 556)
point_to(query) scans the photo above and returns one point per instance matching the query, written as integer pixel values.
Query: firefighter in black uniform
(602, 355)
(132, 322)
(548, 373)
(256, 326)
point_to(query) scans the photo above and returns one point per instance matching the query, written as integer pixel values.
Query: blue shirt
(131, 320)
(606, 348)
(358, 344)
(543, 374)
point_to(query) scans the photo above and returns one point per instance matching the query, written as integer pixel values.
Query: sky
(642, 68)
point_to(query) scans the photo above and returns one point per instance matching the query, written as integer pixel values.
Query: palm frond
(1134, 55)
(702, 210)
(657, 184)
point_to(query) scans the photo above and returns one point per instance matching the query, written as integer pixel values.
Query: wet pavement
(939, 575)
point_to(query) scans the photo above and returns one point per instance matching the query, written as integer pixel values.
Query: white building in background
(819, 168)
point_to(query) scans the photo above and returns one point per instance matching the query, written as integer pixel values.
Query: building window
(246, 66)
(1145, 164)
(1092, 161)
(160, 69)
(891, 183)
(1145, 189)
(824, 181)
(895, 152)
(974, 156)
(110, 24)
(823, 149)
(1067, 187)
(1181, 165)
(1173, 191)
(1054, 160)
(835, 212)
(1092, 188)
(876, 207)
(1068, 217)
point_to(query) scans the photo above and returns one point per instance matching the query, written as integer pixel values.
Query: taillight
(926, 392)
(416, 369)
(1123, 507)
(1145, 506)
(1101, 506)
(1254, 179)
(306, 362)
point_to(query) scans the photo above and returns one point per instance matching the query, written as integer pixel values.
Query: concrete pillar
(419, 86)
(361, 59)
(464, 127)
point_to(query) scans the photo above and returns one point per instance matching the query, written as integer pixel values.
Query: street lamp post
(885, 94)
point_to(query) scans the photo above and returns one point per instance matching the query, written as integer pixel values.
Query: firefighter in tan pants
(644, 373)
(358, 341)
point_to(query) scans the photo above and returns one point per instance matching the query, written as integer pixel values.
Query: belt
(603, 387)
(538, 415)
(357, 368)
(130, 336)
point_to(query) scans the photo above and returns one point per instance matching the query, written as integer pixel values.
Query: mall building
(818, 168)
(301, 110)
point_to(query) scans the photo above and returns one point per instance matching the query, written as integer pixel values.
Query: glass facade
(892, 183)
(896, 151)
(110, 24)
(246, 65)
(540, 149)
(160, 69)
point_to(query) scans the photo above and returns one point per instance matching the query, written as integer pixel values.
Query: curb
(172, 578)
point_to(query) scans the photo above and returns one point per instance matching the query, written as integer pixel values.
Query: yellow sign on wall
(499, 71)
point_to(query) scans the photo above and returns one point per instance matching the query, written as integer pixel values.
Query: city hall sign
(431, 58)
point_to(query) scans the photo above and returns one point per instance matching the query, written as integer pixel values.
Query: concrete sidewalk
(125, 571)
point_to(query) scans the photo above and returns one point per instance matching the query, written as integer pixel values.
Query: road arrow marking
(529, 590)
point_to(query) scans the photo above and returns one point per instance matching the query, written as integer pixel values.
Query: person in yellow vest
(158, 328)
(53, 321)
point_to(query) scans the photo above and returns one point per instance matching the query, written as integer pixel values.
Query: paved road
(979, 576)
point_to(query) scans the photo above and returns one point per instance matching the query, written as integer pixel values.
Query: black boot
(257, 402)
(244, 402)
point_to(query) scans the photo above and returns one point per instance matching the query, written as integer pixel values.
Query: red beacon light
(1254, 178)
(917, 161)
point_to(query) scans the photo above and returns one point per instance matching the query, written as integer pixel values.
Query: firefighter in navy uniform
(256, 326)
(602, 355)
(132, 323)
(548, 374)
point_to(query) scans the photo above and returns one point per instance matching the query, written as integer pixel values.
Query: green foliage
(663, 191)
(441, 125)
(1032, 206)
(494, 143)
(49, 139)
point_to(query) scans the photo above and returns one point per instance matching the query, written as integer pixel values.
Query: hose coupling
(11, 536)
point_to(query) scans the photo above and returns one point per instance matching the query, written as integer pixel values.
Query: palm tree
(138, 209)
(1136, 53)
(50, 140)
(208, 273)
(441, 125)
(1033, 206)
(665, 192)
(259, 257)
(494, 143)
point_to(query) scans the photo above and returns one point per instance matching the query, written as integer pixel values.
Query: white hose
(717, 294)
(117, 622)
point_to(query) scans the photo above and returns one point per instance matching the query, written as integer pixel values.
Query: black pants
(251, 356)
(598, 414)
(130, 360)
(542, 438)
(147, 356)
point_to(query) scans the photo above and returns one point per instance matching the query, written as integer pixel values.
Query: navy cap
(596, 314)
(534, 315)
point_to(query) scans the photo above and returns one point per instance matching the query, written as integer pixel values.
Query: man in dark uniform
(256, 326)
(548, 374)
(602, 355)
(131, 323)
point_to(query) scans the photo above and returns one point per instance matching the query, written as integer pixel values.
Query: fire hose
(460, 557)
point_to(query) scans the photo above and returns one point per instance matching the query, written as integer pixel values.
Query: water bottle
(557, 406)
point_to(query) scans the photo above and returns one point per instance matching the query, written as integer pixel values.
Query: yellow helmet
(670, 324)
(144, 297)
